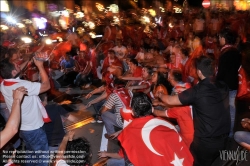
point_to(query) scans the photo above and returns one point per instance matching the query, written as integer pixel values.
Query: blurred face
(172, 58)
(66, 57)
(190, 35)
(170, 79)
(222, 41)
(131, 66)
(154, 77)
(15, 57)
(145, 73)
(183, 57)
(81, 54)
(111, 55)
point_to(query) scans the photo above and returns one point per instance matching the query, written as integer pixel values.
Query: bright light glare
(152, 12)
(59, 39)
(170, 25)
(20, 25)
(113, 8)
(11, 20)
(99, 7)
(79, 15)
(146, 19)
(48, 41)
(43, 19)
(40, 22)
(26, 40)
(91, 25)
(27, 21)
(92, 35)
(4, 27)
(4, 7)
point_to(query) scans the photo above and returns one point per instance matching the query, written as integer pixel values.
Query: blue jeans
(98, 106)
(109, 120)
(232, 95)
(115, 162)
(37, 147)
(242, 136)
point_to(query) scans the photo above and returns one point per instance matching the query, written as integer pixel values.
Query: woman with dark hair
(159, 84)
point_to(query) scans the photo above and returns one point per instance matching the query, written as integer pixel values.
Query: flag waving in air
(151, 141)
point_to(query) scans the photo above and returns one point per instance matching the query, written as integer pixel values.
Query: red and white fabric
(157, 139)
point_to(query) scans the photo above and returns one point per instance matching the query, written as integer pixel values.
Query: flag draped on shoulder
(153, 141)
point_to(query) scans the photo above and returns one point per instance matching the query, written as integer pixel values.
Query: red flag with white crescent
(153, 141)
(126, 114)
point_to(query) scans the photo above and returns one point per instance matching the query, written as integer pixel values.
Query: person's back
(210, 108)
(33, 114)
(228, 65)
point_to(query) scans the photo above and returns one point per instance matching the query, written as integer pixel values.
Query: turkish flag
(244, 85)
(127, 116)
(151, 141)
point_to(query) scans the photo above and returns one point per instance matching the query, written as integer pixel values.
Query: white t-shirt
(31, 117)
(120, 52)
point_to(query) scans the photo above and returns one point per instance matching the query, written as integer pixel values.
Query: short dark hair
(76, 148)
(177, 75)
(6, 68)
(68, 53)
(206, 65)
(134, 61)
(111, 51)
(141, 105)
(230, 36)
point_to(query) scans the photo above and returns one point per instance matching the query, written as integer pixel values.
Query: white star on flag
(177, 161)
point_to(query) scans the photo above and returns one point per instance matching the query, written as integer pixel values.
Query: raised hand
(19, 93)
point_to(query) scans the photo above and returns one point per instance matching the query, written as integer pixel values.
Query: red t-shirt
(184, 117)
(137, 72)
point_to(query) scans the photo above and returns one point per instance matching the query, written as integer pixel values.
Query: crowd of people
(169, 92)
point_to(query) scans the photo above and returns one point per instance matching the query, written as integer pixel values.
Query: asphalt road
(93, 132)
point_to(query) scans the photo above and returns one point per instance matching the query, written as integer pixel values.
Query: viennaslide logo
(235, 155)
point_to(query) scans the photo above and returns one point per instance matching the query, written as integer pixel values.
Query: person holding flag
(151, 136)
(33, 113)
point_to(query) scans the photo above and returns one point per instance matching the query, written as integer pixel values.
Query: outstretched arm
(169, 100)
(12, 124)
(68, 137)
